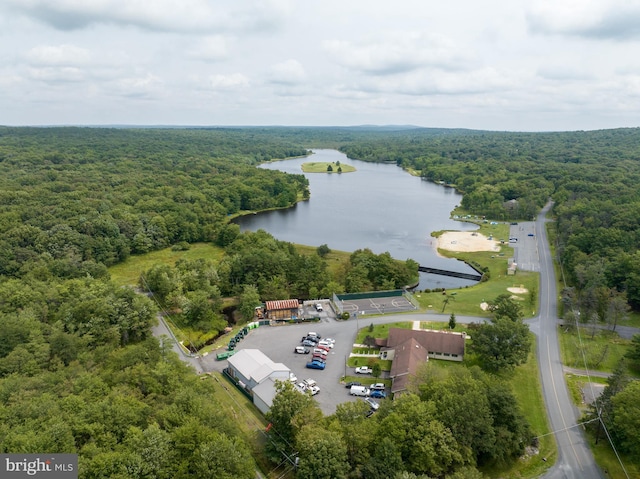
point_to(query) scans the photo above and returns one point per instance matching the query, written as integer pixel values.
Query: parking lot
(525, 248)
(279, 342)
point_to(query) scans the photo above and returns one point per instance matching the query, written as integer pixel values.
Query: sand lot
(466, 241)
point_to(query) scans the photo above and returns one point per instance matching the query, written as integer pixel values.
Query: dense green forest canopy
(76, 200)
(94, 196)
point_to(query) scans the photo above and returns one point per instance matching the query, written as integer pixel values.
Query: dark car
(315, 365)
(306, 342)
(352, 383)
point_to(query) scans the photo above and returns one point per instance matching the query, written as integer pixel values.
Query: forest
(79, 368)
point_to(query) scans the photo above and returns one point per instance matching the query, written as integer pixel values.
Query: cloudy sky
(531, 65)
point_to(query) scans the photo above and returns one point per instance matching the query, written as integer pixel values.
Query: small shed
(282, 309)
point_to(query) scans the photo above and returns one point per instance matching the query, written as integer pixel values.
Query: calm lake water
(379, 206)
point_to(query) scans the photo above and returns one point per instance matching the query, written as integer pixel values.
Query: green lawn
(600, 352)
(467, 301)
(127, 273)
(526, 386)
(249, 421)
(321, 167)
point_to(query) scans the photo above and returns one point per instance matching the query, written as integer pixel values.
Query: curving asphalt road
(575, 460)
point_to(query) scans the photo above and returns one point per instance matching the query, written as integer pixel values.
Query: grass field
(600, 352)
(246, 416)
(127, 273)
(467, 301)
(321, 167)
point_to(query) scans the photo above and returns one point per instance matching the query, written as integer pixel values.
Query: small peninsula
(326, 167)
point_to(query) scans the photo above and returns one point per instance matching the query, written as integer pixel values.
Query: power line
(597, 407)
(567, 428)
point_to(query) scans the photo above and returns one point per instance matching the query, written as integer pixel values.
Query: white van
(359, 391)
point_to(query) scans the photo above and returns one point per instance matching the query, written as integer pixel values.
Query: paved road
(575, 460)
(162, 331)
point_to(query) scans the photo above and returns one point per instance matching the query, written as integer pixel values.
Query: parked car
(310, 338)
(320, 351)
(318, 307)
(301, 350)
(314, 390)
(306, 342)
(363, 370)
(352, 383)
(374, 405)
(314, 335)
(319, 357)
(301, 386)
(322, 346)
(530, 234)
(315, 365)
(378, 394)
(331, 340)
(378, 386)
(310, 382)
(359, 391)
(326, 343)
(293, 378)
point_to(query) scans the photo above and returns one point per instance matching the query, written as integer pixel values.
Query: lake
(379, 206)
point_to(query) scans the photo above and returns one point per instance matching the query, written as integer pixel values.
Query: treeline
(454, 421)
(78, 369)
(591, 176)
(80, 373)
(74, 199)
(256, 267)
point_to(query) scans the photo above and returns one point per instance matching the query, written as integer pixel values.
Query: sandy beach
(466, 241)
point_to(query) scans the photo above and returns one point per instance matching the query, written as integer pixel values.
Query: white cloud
(157, 15)
(57, 74)
(143, 86)
(613, 19)
(233, 81)
(540, 64)
(210, 48)
(289, 72)
(428, 82)
(395, 52)
(60, 55)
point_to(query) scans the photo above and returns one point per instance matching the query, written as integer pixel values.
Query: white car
(310, 383)
(378, 387)
(363, 370)
(318, 307)
(326, 343)
(314, 390)
(293, 378)
(374, 405)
